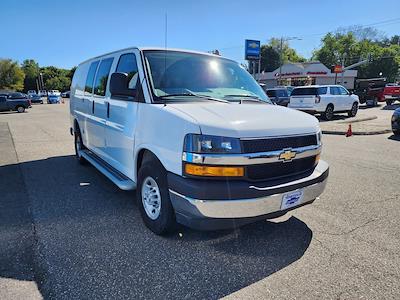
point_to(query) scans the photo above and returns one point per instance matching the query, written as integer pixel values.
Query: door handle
(108, 109)
(93, 107)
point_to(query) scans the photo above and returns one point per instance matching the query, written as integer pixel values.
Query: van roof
(157, 49)
(315, 86)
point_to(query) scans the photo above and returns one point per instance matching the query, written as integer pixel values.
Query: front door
(122, 117)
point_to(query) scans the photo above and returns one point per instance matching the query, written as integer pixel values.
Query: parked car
(198, 139)
(287, 87)
(325, 100)
(391, 93)
(279, 96)
(52, 99)
(31, 92)
(35, 98)
(14, 104)
(65, 94)
(396, 121)
(43, 93)
(53, 93)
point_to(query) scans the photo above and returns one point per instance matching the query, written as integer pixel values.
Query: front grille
(280, 169)
(274, 144)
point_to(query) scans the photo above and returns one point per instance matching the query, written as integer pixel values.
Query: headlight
(198, 143)
(319, 137)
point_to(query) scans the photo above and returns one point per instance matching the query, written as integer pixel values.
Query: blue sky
(65, 32)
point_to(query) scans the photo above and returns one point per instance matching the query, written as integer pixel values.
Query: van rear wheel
(79, 147)
(153, 198)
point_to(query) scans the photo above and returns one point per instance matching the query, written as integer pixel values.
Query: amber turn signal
(214, 171)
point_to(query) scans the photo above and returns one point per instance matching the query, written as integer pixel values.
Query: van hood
(248, 120)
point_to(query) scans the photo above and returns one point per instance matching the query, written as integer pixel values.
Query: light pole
(281, 56)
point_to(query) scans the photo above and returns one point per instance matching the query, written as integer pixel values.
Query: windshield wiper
(190, 93)
(248, 97)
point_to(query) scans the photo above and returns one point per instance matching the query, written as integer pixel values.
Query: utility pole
(280, 62)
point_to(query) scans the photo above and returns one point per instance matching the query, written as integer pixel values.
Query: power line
(375, 24)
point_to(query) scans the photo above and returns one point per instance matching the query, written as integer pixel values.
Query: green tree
(347, 49)
(11, 75)
(270, 55)
(56, 79)
(31, 70)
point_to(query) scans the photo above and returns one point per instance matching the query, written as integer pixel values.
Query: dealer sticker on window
(291, 199)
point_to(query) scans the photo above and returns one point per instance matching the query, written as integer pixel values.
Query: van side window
(127, 64)
(322, 90)
(90, 77)
(102, 77)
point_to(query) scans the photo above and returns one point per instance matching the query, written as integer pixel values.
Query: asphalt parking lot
(66, 232)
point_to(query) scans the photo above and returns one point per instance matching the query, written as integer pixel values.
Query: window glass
(127, 64)
(282, 93)
(322, 90)
(342, 91)
(305, 91)
(271, 93)
(187, 74)
(334, 90)
(100, 84)
(90, 77)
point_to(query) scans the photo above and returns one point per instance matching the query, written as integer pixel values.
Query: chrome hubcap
(151, 198)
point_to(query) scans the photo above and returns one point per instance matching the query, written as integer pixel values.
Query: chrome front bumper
(312, 186)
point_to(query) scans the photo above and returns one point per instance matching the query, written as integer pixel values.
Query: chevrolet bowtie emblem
(287, 155)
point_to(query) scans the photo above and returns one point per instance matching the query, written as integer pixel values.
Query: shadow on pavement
(394, 137)
(391, 107)
(92, 244)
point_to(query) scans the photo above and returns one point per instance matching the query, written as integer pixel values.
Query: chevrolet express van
(196, 136)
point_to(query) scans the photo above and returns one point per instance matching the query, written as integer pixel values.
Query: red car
(390, 93)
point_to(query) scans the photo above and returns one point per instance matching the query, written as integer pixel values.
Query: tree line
(345, 46)
(26, 76)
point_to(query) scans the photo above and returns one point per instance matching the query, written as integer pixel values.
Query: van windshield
(185, 76)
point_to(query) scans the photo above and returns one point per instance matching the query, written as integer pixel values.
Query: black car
(279, 96)
(396, 121)
(35, 98)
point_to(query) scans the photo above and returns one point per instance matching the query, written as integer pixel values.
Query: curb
(358, 120)
(332, 132)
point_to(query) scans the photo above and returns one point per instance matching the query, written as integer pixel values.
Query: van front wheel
(153, 198)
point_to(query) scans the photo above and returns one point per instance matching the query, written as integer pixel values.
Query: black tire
(165, 221)
(79, 146)
(353, 111)
(375, 102)
(396, 132)
(329, 113)
(20, 109)
(41, 102)
(389, 102)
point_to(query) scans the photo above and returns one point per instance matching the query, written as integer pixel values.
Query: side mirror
(119, 85)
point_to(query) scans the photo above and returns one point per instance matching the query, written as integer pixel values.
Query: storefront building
(309, 73)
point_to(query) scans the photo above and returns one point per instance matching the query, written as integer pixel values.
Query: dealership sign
(297, 74)
(252, 50)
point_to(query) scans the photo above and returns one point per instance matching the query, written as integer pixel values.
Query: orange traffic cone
(349, 131)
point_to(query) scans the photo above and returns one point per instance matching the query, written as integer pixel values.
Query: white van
(196, 136)
(325, 100)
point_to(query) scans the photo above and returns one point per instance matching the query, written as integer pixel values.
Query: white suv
(196, 136)
(324, 99)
